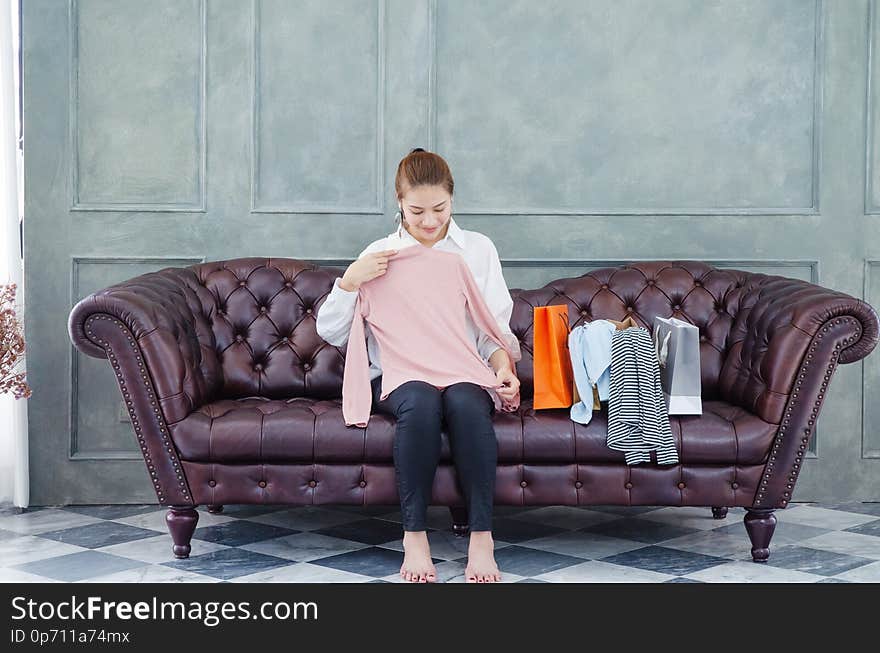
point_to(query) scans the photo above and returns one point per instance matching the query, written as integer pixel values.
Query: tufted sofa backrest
(255, 320)
(260, 318)
(708, 297)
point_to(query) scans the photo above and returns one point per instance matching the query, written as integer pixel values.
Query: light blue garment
(589, 346)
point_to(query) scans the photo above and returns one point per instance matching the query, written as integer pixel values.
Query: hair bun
(416, 149)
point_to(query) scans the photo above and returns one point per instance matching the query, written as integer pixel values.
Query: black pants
(421, 410)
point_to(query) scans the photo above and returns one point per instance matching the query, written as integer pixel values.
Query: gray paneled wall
(630, 106)
(580, 133)
(136, 85)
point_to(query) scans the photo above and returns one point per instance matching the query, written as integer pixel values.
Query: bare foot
(417, 566)
(481, 567)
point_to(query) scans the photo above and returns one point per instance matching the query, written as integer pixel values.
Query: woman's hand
(509, 393)
(368, 266)
(507, 383)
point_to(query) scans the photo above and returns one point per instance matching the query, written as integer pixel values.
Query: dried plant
(11, 345)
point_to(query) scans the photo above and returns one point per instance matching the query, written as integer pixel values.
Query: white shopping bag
(677, 344)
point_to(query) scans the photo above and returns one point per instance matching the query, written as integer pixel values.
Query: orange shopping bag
(554, 384)
(553, 377)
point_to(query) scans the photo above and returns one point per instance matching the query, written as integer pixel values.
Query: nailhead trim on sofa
(763, 497)
(137, 420)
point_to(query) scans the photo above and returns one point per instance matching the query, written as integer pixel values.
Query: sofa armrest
(165, 318)
(161, 348)
(787, 338)
(775, 323)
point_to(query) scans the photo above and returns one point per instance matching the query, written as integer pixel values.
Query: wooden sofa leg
(719, 513)
(760, 524)
(460, 524)
(215, 510)
(181, 522)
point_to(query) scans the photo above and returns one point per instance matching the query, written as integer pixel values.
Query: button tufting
(703, 337)
(523, 484)
(312, 483)
(239, 337)
(650, 282)
(677, 307)
(262, 309)
(309, 311)
(583, 312)
(681, 486)
(262, 483)
(578, 484)
(363, 483)
(734, 485)
(212, 482)
(285, 339)
(288, 284)
(604, 286)
(242, 283)
(307, 366)
(628, 485)
(258, 367)
(629, 309)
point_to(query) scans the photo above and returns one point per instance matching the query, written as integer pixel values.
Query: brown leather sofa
(235, 399)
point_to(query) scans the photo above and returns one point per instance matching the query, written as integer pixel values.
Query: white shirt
(335, 315)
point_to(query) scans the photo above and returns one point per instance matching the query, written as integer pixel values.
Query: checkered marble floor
(558, 544)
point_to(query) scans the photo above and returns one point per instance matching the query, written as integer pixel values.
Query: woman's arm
(500, 360)
(497, 298)
(335, 315)
(333, 321)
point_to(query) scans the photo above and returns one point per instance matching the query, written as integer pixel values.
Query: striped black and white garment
(638, 422)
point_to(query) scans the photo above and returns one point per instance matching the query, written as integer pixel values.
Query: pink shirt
(417, 314)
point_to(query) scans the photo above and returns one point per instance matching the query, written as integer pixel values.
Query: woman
(424, 193)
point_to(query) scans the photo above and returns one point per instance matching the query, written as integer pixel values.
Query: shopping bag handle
(662, 351)
(567, 328)
(564, 321)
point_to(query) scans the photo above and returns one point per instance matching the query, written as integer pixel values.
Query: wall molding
(870, 266)
(431, 119)
(869, 207)
(376, 208)
(73, 137)
(721, 263)
(816, 153)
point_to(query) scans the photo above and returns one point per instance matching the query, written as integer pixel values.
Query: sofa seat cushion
(261, 430)
(724, 434)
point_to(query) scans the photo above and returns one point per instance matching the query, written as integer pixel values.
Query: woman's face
(427, 210)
